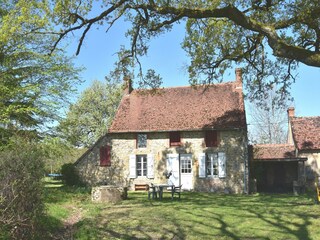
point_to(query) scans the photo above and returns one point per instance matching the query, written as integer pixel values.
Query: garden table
(160, 187)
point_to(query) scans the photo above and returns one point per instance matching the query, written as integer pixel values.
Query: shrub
(70, 175)
(21, 190)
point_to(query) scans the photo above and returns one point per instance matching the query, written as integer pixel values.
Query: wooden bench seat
(141, 187)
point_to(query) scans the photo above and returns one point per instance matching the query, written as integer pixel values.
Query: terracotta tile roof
(273, 151)
(306, 132)
(219, 106)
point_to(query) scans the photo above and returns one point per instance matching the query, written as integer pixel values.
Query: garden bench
(141, 187)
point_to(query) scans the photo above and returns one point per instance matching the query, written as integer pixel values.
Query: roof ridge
(189, 86)
(301, 117)
(274, 145)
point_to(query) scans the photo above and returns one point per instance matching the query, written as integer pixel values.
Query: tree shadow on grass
(284, 213)
(202, 216)
(106, 229)
(273, 211)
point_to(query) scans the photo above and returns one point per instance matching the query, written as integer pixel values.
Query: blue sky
(169, 60)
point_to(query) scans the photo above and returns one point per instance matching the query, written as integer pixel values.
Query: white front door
(186, 171)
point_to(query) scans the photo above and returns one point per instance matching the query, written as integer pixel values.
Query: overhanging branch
(280, 48)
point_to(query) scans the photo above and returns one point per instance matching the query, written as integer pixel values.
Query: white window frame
(212, 164)
(144, 161)
(133, 166)
(186, 165)
(206, 161)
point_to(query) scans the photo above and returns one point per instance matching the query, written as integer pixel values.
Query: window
(175, 139)
(141, 165)
(141, 140)
(212, 165)
(186, 165)
(211, 138)
(105, 156)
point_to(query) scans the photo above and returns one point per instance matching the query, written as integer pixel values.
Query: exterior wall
(312, 165)
(232, 143)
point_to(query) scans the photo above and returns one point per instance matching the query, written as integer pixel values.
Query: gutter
(177, 130)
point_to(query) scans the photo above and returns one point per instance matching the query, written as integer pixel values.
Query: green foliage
(34, 84)
(21, 196)
(58, 152)
(70, 175)
(89, 118)
(267, 38)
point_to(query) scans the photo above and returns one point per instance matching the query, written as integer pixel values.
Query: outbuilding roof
(273, 152)
(306, 132)
(217, 106)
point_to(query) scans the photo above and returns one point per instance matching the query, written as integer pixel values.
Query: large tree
(89, 117)
(267, 37)
(34, 85)
(268, 120)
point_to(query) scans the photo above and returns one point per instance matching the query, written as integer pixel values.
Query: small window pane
(142, 140)
(186, 165)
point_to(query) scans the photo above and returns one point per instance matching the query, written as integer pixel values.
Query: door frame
(189, 176)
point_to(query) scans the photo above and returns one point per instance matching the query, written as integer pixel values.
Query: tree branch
(279, 46)
(89, 23)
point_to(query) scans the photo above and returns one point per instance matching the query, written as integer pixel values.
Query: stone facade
(233, 143)
(312, 165)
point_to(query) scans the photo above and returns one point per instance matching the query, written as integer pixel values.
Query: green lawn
(195, 216)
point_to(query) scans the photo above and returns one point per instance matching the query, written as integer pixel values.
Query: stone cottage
(281, 167)
(194, 136)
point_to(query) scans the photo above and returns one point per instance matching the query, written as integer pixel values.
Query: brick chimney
(290, 112)
(127, 82)
(239, 78)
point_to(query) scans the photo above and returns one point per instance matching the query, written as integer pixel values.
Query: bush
(70, 175)
(21, 191)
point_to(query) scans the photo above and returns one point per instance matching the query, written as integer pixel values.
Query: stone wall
(232, 142)
(108, 194)
(312, 166)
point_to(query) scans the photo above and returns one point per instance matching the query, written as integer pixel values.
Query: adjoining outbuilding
(294, 165)
(276, 168)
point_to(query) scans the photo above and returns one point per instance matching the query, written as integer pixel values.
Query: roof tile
(306, 132)
(218, 106)
(273, 151)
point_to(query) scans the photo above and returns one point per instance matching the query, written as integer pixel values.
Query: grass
(195, 216)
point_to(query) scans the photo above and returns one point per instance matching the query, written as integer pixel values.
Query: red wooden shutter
(105, 156)
(211, 139)
(175, 139)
